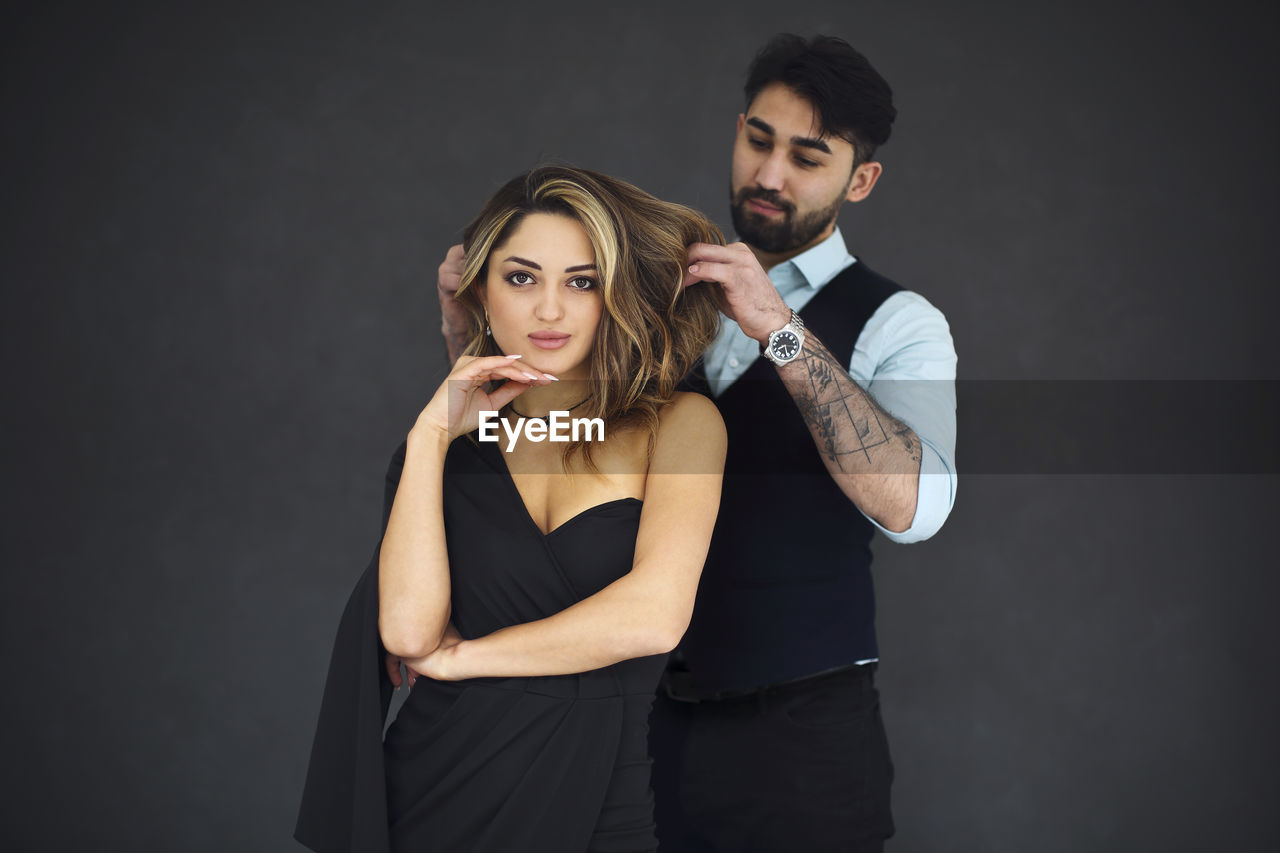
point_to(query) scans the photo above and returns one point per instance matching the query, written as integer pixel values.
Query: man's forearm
(873, 456)
(455, 341)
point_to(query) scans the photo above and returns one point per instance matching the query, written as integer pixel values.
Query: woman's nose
(549, 306)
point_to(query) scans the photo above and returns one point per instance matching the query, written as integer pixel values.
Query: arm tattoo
(846, 422)
(454, 343)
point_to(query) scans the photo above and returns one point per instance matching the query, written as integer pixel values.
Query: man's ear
(864, 178)
(742, 119)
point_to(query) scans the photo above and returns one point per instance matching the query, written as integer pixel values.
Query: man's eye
(806, 162)
(582, 283)
(758, 144)
(520, 278)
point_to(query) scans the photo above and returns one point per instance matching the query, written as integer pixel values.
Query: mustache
(770, 197)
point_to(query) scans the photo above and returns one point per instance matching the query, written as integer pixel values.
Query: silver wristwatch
(785, 344)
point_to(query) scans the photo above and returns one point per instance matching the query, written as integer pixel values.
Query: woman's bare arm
(413, 562)
(646, 611)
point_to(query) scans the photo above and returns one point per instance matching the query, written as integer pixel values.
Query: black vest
(787, 589)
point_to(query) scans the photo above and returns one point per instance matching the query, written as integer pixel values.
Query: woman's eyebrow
(524, 261)
(580, 268)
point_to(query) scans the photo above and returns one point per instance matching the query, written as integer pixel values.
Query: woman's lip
(762, 208)
(546, 340)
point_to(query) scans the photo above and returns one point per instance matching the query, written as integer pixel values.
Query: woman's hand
(441, 664)
(455, 408)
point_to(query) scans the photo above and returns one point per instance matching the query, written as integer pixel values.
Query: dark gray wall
(221, 232)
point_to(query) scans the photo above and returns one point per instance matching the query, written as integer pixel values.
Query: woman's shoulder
(690, 421)
(689, 408)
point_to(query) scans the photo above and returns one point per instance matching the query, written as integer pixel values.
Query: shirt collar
(819, 264)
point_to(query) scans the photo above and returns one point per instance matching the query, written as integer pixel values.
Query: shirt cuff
(935, 496)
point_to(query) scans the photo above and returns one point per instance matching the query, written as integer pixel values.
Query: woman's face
(544, 296)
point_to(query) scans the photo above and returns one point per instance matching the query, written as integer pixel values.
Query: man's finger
(690, 278)
(719, 254)
(706, 270)
(449, 274)
(393, 669)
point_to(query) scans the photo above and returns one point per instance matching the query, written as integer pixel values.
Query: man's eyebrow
(802, 141)
(527, 263)
(810, 142)
(580, 268)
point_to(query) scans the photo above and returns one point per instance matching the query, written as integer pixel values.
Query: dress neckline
(501, 463)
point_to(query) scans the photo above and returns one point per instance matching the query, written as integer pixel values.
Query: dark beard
(776, 238)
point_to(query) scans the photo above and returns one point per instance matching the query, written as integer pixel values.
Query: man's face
(788, 182)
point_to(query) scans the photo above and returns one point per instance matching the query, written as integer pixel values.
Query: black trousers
(803, 766)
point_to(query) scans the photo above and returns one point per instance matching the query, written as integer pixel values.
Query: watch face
(785, 346)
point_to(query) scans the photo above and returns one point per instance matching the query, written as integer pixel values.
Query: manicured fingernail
(693, 268)
(533, 377)
(549, 376)
(513, 356)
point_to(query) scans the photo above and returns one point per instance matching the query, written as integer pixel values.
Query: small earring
(488, 331)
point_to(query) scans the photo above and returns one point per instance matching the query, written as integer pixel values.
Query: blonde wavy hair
(652, 330)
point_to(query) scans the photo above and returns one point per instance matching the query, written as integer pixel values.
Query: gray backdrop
(221, 232)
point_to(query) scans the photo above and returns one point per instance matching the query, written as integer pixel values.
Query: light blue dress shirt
(904, 358)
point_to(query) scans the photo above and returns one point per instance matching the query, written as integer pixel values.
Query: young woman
(532, 588)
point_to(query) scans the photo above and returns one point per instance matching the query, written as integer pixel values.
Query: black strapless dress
(553, 763)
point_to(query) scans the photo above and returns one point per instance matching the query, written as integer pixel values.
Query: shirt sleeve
(906, 359)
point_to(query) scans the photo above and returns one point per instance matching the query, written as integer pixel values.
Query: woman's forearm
(624, 620)
(413, 563)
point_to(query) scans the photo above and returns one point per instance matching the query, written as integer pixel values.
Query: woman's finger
(515, 373)
(493, 360)
(507, 393)
(468, 364)
(473, 378)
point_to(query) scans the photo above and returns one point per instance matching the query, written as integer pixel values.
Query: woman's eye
(520, 278)
(582, 283)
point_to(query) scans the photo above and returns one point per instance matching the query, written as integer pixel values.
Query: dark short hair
(852, 100)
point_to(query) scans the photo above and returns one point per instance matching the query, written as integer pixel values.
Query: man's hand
(393, 670)
(453, 317)
(743, 289)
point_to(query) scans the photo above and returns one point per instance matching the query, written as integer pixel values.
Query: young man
(837, 390)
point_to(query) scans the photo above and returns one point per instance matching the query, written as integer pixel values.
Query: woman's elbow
(659, 639)
(406, 643)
